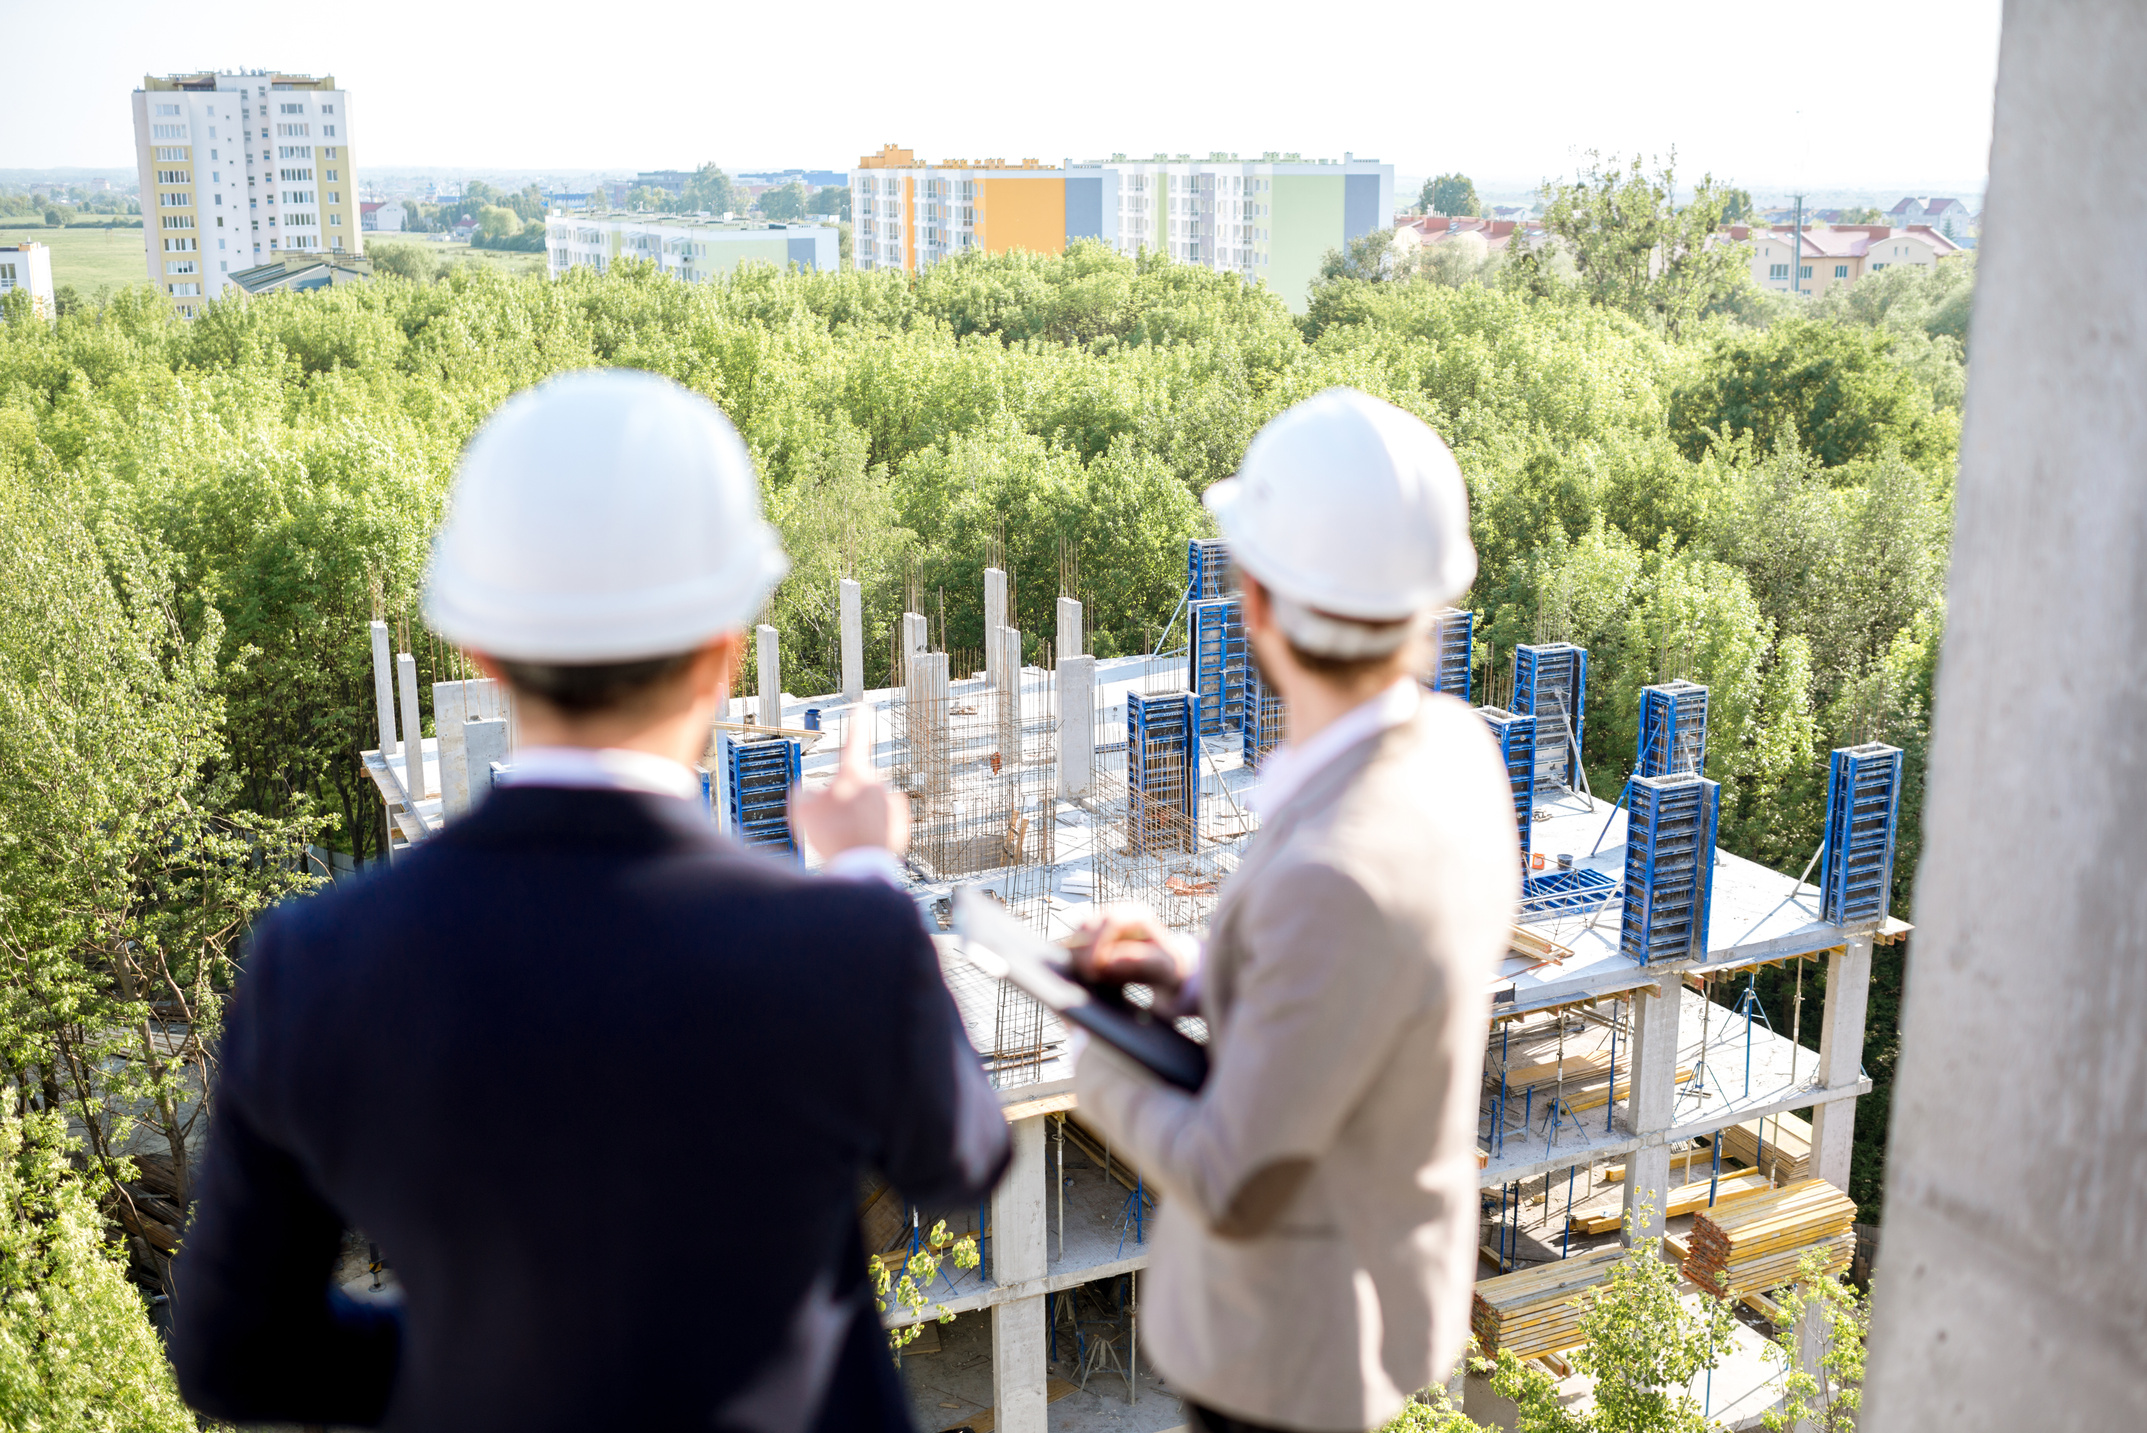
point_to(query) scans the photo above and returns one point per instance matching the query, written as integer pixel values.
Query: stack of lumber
(1782, 1140)
(1537, 1311)
(1756, 1244)
(1690, 1199)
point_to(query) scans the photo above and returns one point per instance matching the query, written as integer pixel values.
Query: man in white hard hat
(599, 1084)
(1317, 1241)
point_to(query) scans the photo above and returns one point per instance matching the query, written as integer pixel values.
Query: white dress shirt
(614, 768)
(1289, 766)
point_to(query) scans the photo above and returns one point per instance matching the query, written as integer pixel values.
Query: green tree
(1823, 1394)
(498, 222)
(710, 191)
(54, 218)
(1453, 195)
(1737, 206)
(1637, 249)
(77, 1354)
(783, 203)
(1370, 258)
(832, 199)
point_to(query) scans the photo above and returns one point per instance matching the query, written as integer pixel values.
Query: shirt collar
(1289, 766)
(610, 768)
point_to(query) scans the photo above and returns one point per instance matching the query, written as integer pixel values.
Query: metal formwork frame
(1863, 799)
(1550, 683)
(1162, 768)
(758, 776)
(1261, 716)
(1453, 642)
(1207, 568)
(1516, 737)
(1669, 866)
(1215, 661)
(1673, 730)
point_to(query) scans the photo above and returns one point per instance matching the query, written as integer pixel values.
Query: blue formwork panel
(1215, 662)
(1453, 644)
(1550, 683)
(1516, 737)
(1263, 717)
(1207, 569)
(1162, 770)
(758, 776)
(1863, 804)
(1673, 730)
(1669, 866)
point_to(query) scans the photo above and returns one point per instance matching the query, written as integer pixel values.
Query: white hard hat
(1347, 505)
(606, 515)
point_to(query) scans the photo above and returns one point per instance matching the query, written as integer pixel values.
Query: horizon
(1511, 122)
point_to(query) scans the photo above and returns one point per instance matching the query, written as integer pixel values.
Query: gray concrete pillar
(2011, 1292)
(384, 686)
(994, 618)
(853, 641)
(1076, 679)
(770, 654)
(413, 728)
(1007, 642)
(484, 741)
(1018, 1253)
(448, 719)
(1069, 625)
(925, 722)
(1651, 1104)
(1841, 1049)
(915, 639)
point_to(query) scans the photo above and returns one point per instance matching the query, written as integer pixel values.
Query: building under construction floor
(1628, 1062)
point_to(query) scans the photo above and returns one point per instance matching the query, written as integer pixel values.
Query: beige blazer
(1316, 1246)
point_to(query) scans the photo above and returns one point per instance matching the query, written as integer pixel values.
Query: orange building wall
(1022, 214)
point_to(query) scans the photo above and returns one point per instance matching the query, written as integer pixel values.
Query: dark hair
(1340, 670)
(596, 687)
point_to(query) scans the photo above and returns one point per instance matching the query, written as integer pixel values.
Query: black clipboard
(1002, 947)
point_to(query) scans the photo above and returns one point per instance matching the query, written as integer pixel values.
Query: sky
(1885, 93)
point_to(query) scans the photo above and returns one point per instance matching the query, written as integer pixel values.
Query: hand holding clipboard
(1002, 947)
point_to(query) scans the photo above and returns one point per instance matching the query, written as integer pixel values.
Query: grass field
(89, 259)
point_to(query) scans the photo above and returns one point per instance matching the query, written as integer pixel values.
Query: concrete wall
(2011, 1292)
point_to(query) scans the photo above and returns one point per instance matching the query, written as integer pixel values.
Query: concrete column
(853, 642)
(1008, 644)
(926, 719)
(994, 619)
(771, 676)
(1841, 1049)
(384, 686)
(914, 640)
(483, 742)
(2010, 1294)
(413, 728)
(448, 719)
(1018, 1252)
(1076, 678)
(1069, 624)
(1649, 1108)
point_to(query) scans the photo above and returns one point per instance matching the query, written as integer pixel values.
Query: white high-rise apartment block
(27, 267)
(238, 169)
(1271, 219)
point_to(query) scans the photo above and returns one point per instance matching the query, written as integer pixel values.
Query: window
(1876, 267)
(335, 221)
(167, 109)
(179, 266)
(298, 196)
(170, 154)
(185, 290)
(329, 152)
(292, 108)
(1841, 271)
(178, 221)
(294, 176)
(174, 198)
(179, 246)
(167, 131)
(293, 131)
(327, 109)
(293, 151)
(330, 176)
(7, 276)
(329, 130)
(219, 200)
(1804, 271)
(172, 176)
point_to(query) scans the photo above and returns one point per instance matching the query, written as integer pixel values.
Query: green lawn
(89, 259)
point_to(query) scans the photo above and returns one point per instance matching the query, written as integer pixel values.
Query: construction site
(1629, 1063)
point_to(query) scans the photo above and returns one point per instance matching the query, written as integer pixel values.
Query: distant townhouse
(27, 268)
(382, 217)
(1272, 219)
(1830, 256)
(236, 169)
(693, 249)
(1949, 217)
(1495, 235)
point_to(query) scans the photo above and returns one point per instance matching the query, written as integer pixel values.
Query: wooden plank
(1043, 1105)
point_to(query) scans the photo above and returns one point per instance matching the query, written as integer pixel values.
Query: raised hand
(856, 808)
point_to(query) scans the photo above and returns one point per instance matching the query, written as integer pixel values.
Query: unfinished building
(1614, 1079)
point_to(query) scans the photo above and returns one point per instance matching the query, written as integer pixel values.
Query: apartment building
(238, 168)
(27, 268)
(1833, 255)
(692, 249)
(1272, 219)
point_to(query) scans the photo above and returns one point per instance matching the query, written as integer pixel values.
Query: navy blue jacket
(601, 1086)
